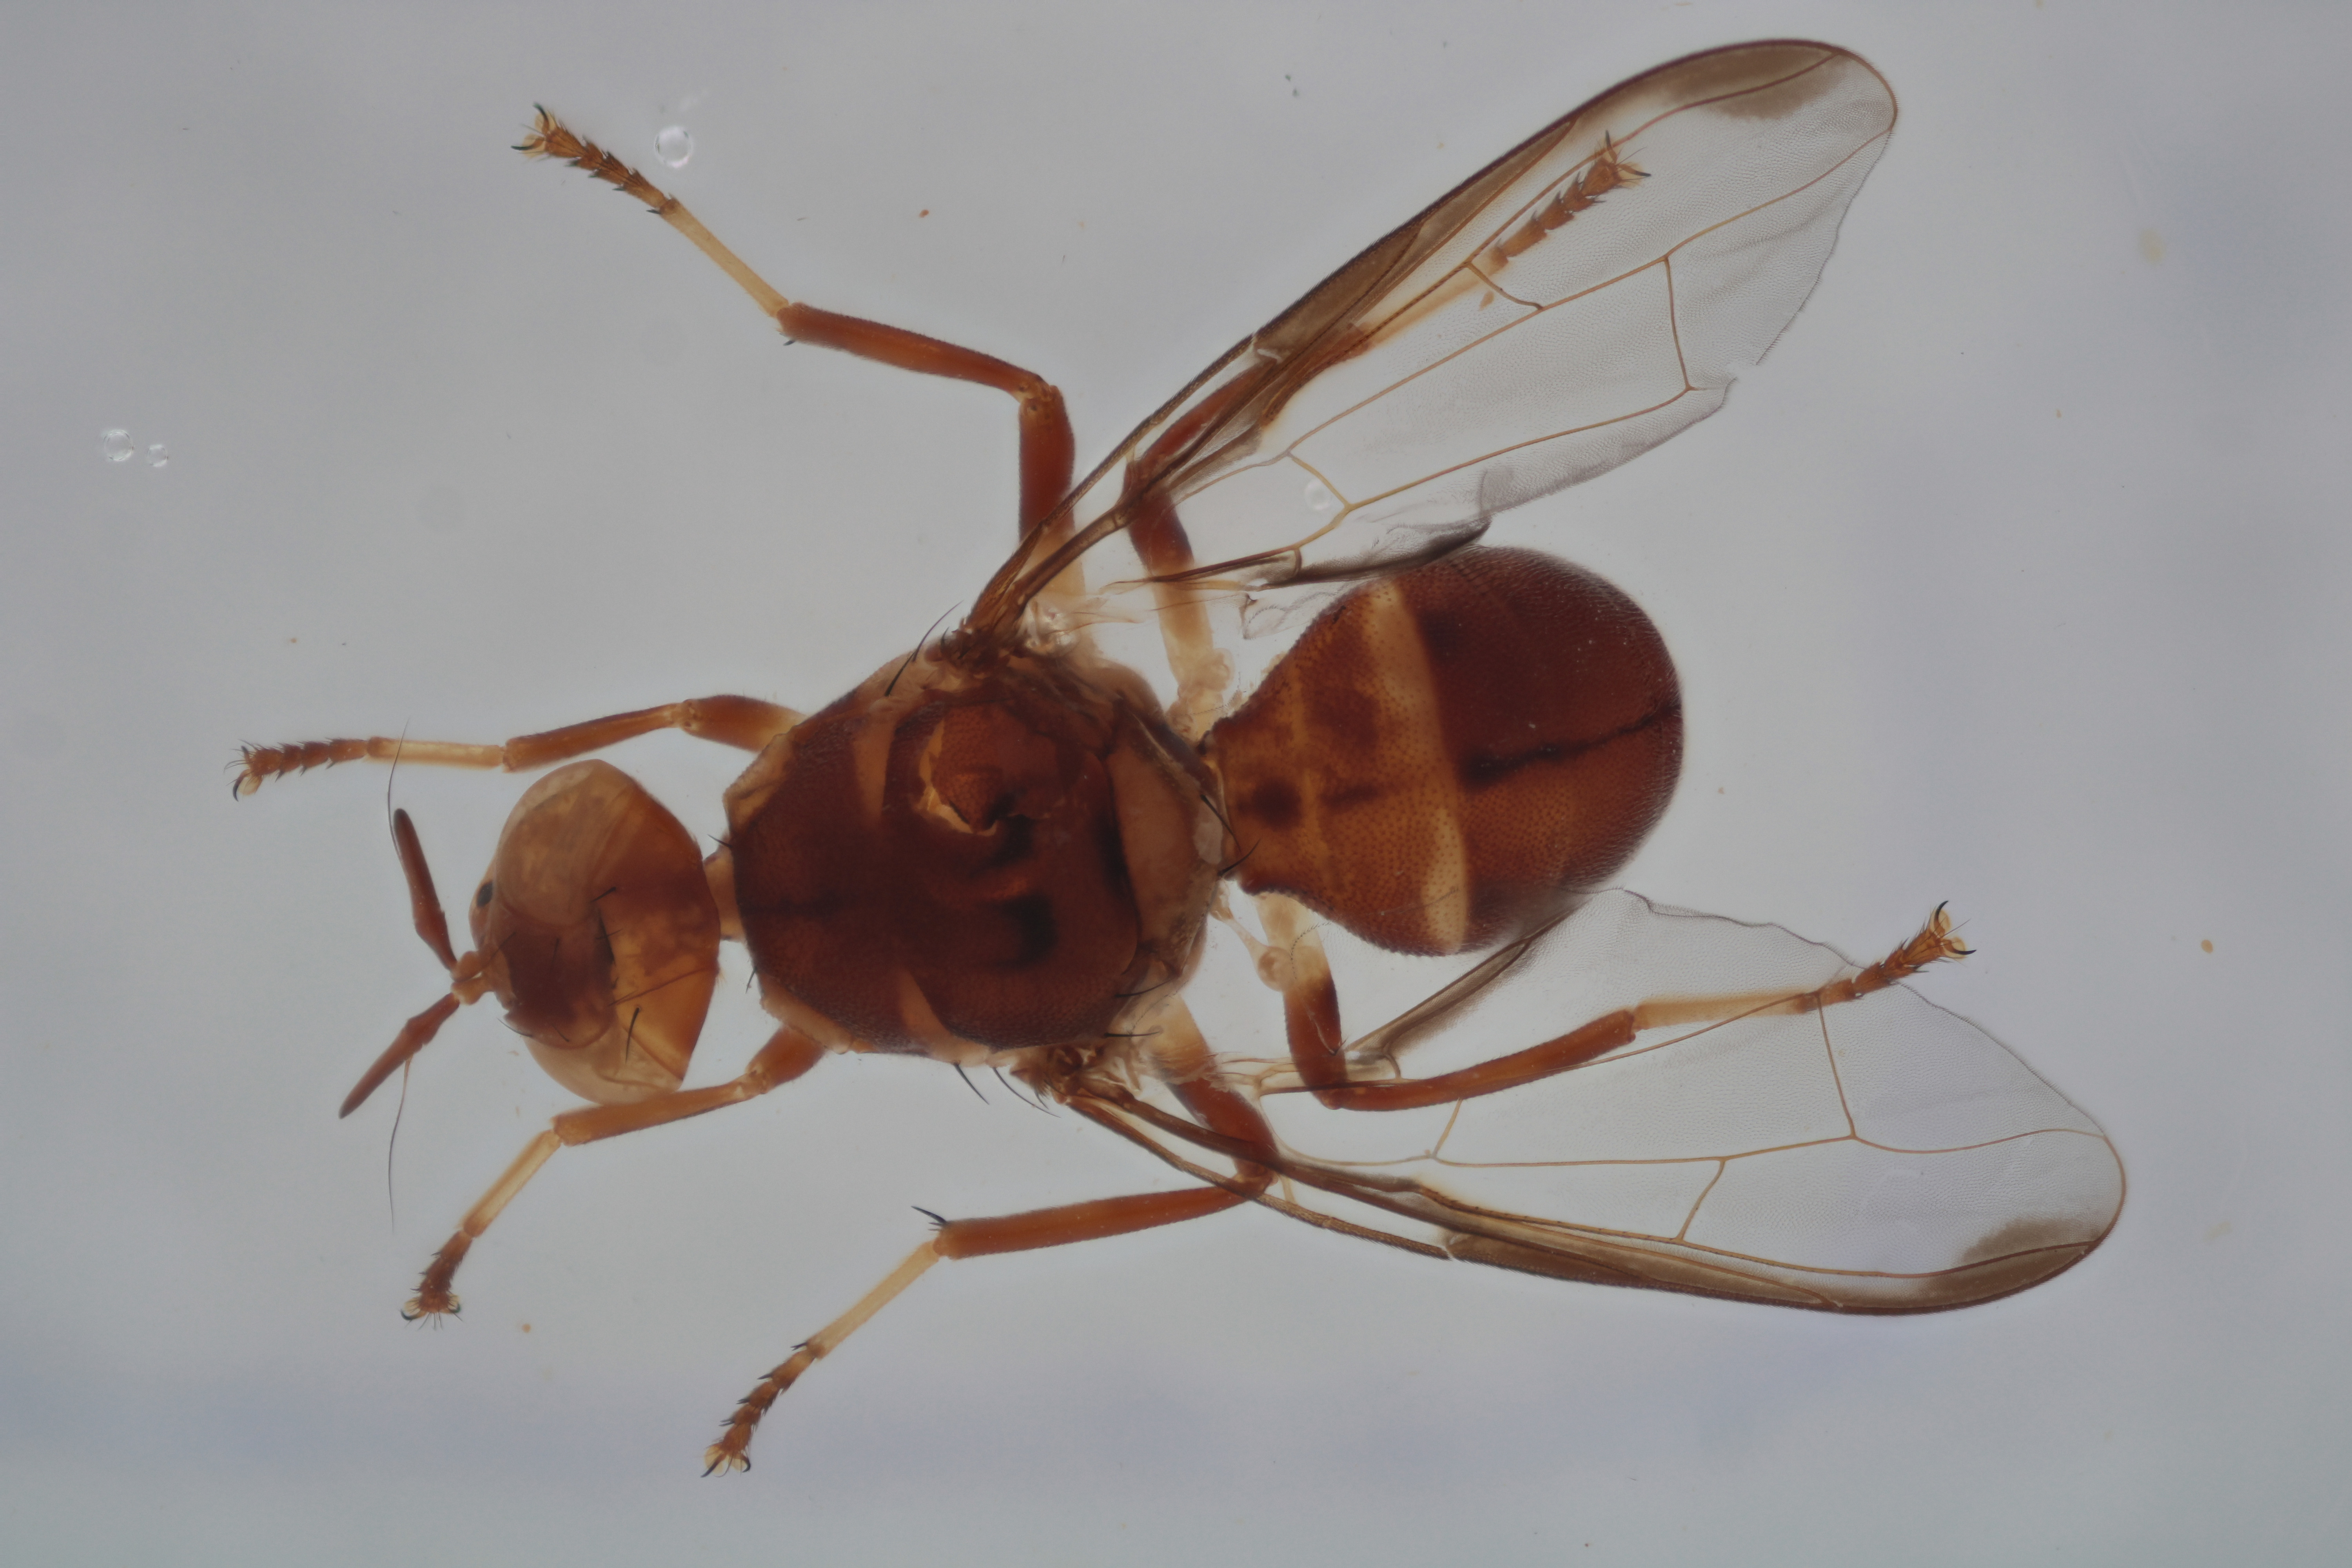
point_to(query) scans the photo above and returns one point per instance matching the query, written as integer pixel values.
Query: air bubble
(1320, 497)
(159, 456)
(674, 144)
(115, 445)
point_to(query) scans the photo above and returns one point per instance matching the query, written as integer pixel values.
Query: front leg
(744, 722)
(786, 1056)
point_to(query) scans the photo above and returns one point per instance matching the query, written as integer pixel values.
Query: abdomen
(1454, 755)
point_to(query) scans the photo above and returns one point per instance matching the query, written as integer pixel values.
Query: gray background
(2015, 577)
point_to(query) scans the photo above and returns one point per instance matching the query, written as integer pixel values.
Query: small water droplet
(674, 144)
(159, 456)
(115, 445)
(1320, 497)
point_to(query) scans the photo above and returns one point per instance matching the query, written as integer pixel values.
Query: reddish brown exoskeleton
(1004, 847)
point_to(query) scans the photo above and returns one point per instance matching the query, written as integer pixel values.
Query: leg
(1048, 449)
(741, 721)
(1202, 672)
(1312, 1007)
(786, 1056)
(1293, 961)
(1233, 1119)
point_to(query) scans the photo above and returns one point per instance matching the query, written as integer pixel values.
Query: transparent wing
(1586, 295)
(1878, 1155)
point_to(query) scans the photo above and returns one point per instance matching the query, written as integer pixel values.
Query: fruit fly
(1004, 847)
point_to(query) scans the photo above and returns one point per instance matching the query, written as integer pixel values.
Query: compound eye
(482, 894)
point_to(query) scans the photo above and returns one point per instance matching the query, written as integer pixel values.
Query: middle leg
(1229, 1116)
(1048, 448)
